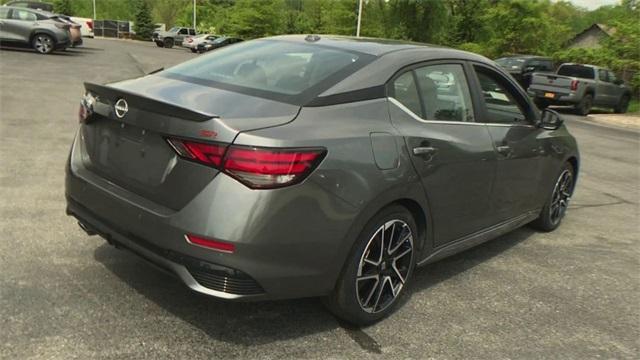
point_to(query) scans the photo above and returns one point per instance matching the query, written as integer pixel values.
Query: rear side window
(23, 15)
(270, 68)
(578, 71)
(444, 92)
(183, 31)
(4, 12)
(406, 92)
(602, 75)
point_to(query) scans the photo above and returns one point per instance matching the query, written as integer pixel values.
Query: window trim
(389, 92)
(530, 115)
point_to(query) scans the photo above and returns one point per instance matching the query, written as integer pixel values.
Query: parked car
(522, 66)
(87, 26)
(299, 166)
(35, 5)
(174, 36)
(39, 29)
(582, 86)
(74, 29)
(222, 41)
(192, 42)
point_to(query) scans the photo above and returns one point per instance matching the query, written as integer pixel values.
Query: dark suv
(522, 66)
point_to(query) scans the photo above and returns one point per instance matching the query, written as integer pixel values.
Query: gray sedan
(39, 29)
(325, 166)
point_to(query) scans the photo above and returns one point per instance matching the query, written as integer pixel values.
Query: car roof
(37, 11)
(382, 47)
(525, 57)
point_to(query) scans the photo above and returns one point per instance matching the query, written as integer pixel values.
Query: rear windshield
(578, 71)
(282, 70)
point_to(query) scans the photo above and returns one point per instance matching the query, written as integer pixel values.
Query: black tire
(159, 43)
(623, 105)
(541, 104)
(584, 106)
(194, 51)
(43, 43)
(383, 293)
(556, 205)
(168, 43)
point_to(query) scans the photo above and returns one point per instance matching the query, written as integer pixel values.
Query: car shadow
(432, 274)
(30, 50)
(251, 323)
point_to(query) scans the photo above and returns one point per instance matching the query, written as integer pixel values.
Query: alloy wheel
(43, 44)
(561, 196)
(384, 266)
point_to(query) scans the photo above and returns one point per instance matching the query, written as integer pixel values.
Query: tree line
(490, 27)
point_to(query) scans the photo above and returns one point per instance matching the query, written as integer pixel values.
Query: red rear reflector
(574, 85)
(257, 168)
(210, 243)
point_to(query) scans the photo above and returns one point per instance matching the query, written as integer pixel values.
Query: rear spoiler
(138, 101)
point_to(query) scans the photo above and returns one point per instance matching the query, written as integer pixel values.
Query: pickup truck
(173, 36)
(582, 86)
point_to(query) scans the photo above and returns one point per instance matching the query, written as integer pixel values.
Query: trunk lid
(131, 151)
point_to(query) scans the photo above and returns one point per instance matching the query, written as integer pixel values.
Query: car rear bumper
(288, 243)
(558, 98)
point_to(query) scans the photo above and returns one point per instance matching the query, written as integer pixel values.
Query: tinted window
(543, 65)
(183, 31)
(405, 91)
(192, 32)
(511, 63)
(602, 75)
(499, 98)
(577, 71)
(277, 67)
(444, 92)
(23, 15)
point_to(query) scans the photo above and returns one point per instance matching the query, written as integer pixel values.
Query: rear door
(430, 104)
(509, 119)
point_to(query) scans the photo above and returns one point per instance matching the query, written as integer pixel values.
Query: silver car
(38, 29)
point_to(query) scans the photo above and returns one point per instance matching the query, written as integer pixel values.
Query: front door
(509, 119)
(431, 106)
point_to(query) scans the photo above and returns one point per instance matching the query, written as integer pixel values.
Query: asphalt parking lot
(573, 293)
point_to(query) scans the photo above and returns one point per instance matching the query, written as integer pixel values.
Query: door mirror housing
(550, 120)
(618, 82)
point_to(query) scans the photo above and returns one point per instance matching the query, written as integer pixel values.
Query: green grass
(634, 106)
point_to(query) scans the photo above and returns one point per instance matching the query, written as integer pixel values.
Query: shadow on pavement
(250, 323)
(28, 49)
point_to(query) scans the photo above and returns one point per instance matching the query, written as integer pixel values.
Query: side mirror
(550, 120)
(618, 82)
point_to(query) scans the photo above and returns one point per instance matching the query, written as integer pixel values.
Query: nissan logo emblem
(121, 108)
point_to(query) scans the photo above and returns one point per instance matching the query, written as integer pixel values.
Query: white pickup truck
(582, 86)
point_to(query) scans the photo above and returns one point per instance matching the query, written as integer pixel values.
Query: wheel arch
(42, 31)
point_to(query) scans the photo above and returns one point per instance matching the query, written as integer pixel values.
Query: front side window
(192, 32)
(183, 32)
(444, 92)
(405, 91)
(612, 77)
(499, 97)
(23, 15)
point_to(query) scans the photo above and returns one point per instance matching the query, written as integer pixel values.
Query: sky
(593, 4)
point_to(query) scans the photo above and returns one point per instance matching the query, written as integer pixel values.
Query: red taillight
(574, 85)
(258, 168)
(90, 24)
(210, 243)
(82, 113)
